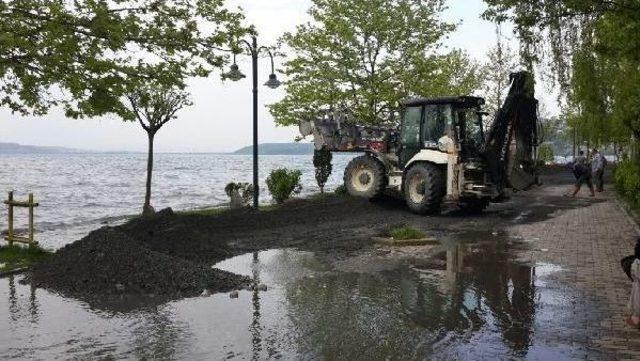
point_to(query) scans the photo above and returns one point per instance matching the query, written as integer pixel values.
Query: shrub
(322, 163)
(627, 181)
(239, 193)
(282, 182)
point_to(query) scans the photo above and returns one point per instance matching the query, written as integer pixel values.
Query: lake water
(81, 192)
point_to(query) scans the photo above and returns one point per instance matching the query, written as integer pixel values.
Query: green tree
(555, 132)
(591, 47)
(501, 62)
(153, 106)
(322, 162)
(85, 55)
(365, 56)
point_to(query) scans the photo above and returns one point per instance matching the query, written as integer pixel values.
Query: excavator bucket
(509, 149)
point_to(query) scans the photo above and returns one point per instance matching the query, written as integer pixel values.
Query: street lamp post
(234, 74)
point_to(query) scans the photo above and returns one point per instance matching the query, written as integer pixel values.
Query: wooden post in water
(31, 242)
(10, 214)
(11, 237)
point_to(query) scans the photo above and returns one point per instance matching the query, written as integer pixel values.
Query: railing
(11, 236)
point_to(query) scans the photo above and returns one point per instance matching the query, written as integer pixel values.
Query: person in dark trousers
(598, 162)
(582, 172)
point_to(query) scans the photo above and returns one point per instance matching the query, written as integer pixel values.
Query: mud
(108, 267)
(170, 255)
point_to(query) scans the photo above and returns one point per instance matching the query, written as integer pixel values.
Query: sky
(221, 118)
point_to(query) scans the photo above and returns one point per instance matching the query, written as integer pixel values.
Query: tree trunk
(147, 209)
(574, 143)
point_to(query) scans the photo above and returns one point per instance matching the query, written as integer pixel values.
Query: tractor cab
(425, 120)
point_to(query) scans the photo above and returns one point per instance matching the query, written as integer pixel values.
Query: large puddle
(456, 301)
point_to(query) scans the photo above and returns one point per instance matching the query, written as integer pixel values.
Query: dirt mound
(110, 262)
(180, 236)
(315, 224)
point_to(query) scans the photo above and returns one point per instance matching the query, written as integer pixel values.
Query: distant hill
(15, 148)
(279, 149)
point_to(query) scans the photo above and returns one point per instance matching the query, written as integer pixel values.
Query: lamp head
(234, 73)
(273, 81)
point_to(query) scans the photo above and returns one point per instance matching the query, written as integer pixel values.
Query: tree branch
(133, 101)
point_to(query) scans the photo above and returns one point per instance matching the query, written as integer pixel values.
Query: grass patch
(341, 190)
(269, 207)
(215, 211)
(405, 232)
(321, 196)
(13, 257)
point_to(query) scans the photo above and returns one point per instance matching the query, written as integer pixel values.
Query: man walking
(598, 162)
(582, 172)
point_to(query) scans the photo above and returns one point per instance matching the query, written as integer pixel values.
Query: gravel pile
(109, 262)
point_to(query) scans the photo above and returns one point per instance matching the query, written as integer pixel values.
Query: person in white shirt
(598, 162)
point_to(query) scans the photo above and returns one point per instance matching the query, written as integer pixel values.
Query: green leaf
(87, 54)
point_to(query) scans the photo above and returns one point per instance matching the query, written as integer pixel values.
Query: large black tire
(365, 177)
(424, 188)
(474, 205)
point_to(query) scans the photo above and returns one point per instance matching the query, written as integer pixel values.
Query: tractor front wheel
(365, 177)
(424, 188)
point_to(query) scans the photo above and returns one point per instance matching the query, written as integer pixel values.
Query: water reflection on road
(464, 300)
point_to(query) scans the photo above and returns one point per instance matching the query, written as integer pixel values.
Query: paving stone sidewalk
(588, 242)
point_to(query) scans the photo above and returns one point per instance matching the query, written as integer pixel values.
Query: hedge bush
(283, 182)
(627, 181)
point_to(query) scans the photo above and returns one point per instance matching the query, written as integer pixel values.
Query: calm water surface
(80, 192)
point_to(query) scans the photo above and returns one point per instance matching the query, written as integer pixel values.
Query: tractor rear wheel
(424, 188)
(365, 177)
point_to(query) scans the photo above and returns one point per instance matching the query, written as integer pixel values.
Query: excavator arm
(511, 141)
